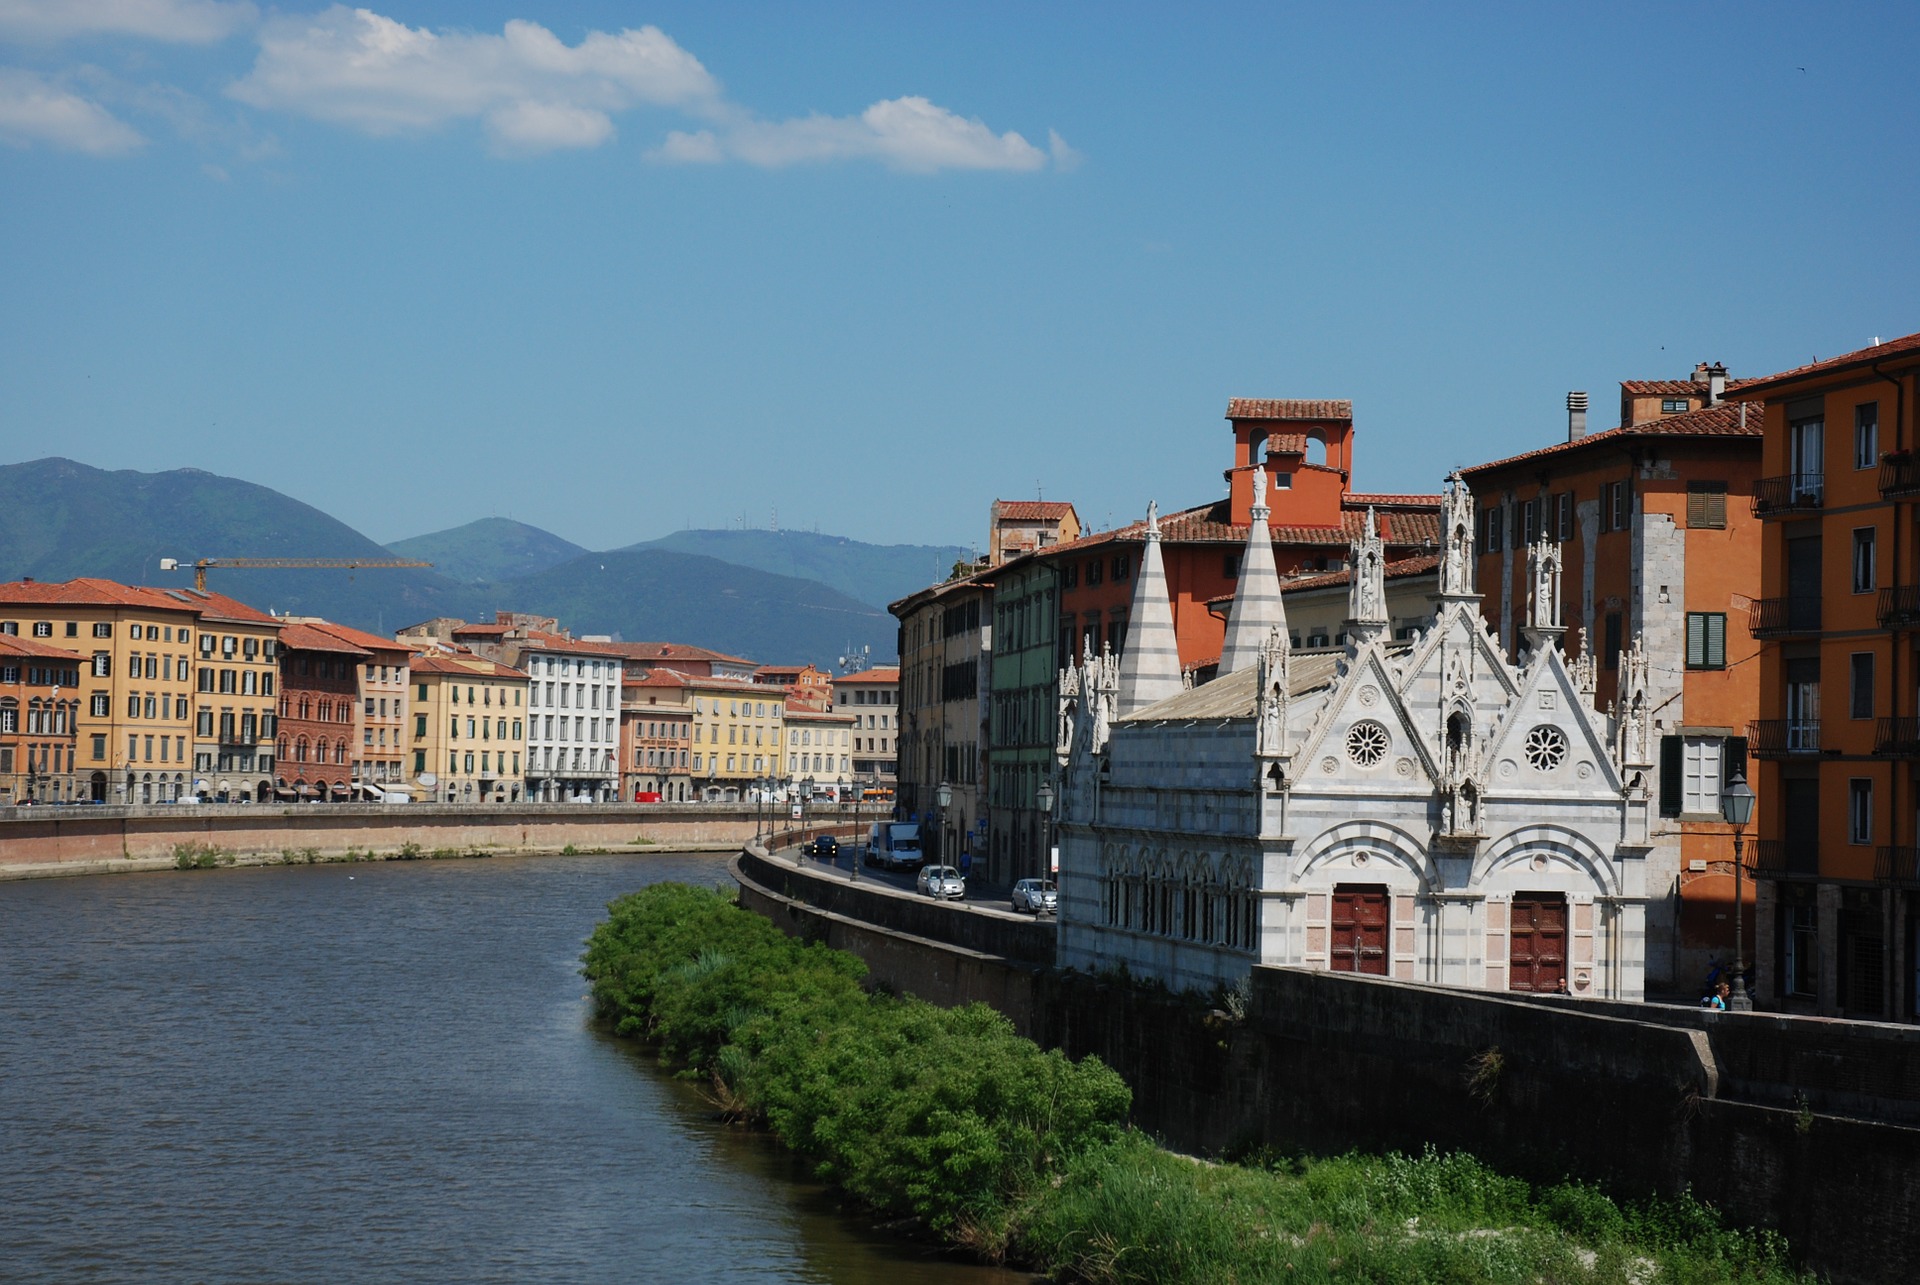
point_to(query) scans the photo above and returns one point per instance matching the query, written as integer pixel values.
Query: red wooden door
(1539, 942)
(1359, 930)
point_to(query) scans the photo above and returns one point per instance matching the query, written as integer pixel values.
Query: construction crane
(283, 564)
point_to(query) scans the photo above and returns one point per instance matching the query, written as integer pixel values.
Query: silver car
(1036, 896)
(943, 882)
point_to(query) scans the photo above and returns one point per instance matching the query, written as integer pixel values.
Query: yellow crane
(283, 564)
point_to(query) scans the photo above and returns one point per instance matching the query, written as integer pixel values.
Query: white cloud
(904, 133)
(356, 68)
(194, 22)
(35, 110)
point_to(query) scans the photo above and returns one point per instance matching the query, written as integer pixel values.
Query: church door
(1539, 942)
(1359, 930)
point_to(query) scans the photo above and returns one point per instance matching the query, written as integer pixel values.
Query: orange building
(1023, 526)
(39, 722)
(1658, 546)
(1839, 614)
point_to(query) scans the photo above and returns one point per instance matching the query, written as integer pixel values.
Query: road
(989, 896)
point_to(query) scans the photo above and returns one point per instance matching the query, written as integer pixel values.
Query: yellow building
(141, 702)
(469, 728)
(737, 735)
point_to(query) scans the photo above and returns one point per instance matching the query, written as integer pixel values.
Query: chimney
(1700, 372)
(1716, 384)
(1576, 416)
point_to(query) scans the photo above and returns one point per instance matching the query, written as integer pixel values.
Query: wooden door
(1359, 930)
(1539, 942)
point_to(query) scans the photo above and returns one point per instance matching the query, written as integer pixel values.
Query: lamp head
(1736, 801)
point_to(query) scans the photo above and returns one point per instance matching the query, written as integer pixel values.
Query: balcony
(1896, 737)
(1899, 476)
(1783, 737)
(1784, 617)
(1796, 492)
(1900, 606)
(1784, 859)
(1899, 866)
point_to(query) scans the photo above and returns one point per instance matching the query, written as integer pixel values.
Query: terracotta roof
(1728, 419)
(27, 647)
(1676, 387)
(86, 591)
(1864, 356)
(658, 678)
(221, 607)
(1288, 408)
(669, 651)
(1208, 525)
(473, 667)
(878, 674)
(305, 637)
(541, 640)
(1031, 510)
(1357, 499)
(471, 631)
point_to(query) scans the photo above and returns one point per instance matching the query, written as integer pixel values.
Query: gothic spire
(1150, 664)
(1456, 540)
(1367, 581)
(1257, 606)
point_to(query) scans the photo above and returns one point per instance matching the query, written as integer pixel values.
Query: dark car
(826, 847)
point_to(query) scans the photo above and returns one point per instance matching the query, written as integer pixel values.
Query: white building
(1419, 808)
(573, 719)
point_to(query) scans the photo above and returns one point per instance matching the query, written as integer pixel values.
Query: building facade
(946, 658)
(318, 727)
(39, 723)
(1838, 915)
(468, 728)
(872, 696)
(1421, 809)
(1654, 525)
(656, 736)
(1017, 527)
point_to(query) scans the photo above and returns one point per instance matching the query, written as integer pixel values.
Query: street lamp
(943, 795)
(1736, 805)
(1044, 797)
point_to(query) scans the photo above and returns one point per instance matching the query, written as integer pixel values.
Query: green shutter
(1716, 638)
(1672, 776)
(1696, 639)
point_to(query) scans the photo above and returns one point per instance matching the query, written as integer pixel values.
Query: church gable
(1455, 685)
(1362, 736)
(1551, 740)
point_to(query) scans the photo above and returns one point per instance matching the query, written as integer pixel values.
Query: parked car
(826, 847)
(943, 882)
(1036, 896)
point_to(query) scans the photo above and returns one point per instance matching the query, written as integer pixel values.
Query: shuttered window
(1707, 504)
(1706, 640)
(1672, 775)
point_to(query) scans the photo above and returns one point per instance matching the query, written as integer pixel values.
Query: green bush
(1011, 1151)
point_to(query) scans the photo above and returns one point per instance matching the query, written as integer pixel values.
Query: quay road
(981, 894)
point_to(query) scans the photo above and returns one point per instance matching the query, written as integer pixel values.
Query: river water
(371, 1073)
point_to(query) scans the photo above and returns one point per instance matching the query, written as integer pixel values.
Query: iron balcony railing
(1899, 475)
(1784, 859)
(1896, 737)
(1779, 737)
(1897, 866)
(1784, 617)
(1787, 494)
(1900, 606)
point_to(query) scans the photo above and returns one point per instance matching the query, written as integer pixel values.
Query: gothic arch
(1560, 845)
(1396, 847)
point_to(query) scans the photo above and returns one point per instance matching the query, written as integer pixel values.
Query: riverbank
(1014, 1154)
(83, 840)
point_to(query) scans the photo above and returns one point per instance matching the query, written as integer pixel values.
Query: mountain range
(772, 596)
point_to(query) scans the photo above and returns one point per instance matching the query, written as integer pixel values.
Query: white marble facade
(1422, 809)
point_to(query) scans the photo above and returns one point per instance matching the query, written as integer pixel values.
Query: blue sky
(616, 269)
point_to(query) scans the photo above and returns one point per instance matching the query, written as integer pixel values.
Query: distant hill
(876, 574)
(60, 519)
(489, 549)
(656, 594)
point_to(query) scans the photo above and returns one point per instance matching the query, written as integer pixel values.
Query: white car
(943, 882)
(1037, 896)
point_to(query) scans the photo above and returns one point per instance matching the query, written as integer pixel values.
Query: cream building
(468, 731)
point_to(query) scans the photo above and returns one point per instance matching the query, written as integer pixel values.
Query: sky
(619, 269)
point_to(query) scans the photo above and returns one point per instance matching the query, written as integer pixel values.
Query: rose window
(1367, 744)
(1546, 747)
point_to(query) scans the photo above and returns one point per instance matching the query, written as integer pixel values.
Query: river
(373, 1072)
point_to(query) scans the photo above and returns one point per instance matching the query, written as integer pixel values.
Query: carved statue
(1456, 548)
(1274, 677)
(1543, 586)
(1259, 486)
(1367, 592)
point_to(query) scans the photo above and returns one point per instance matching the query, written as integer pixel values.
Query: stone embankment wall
(1801, 1124)
(92, 840)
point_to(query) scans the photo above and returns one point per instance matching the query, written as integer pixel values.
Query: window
(103, 630)
(1617, 506)
(1807, 438)
(1860, 684)
(1530, 522)
(1707, 505)
(1093, 571)
(1610, 644)
(1799, 937)
(1563, 516)
(1229, 565)
(43, 629)
(1863, 560)
(1866, 435)
(1859, 810)
(1706, 640)
(1674, 405)
(1490, 530)
(1702, 761)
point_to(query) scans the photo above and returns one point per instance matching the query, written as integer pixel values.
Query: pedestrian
(966, 864)
(1717, 1000)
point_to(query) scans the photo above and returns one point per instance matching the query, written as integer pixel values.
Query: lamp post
(943, 795)
(1044, 797)
(1736, 805)
(806, 801)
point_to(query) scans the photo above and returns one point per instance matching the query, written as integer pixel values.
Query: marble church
(1420, 809)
